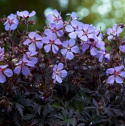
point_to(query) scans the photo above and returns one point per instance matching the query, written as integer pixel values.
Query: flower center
(34, 40)
(116, 73)
(54, 30)
(51, 42)
(10, 21)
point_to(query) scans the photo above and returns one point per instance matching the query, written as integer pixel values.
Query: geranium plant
(69, 74)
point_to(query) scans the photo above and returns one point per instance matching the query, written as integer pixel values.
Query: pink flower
(4, 71)
(116, 73)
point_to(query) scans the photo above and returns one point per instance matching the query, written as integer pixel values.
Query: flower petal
(63, 73)
(2, 78)
(58, 78)
(72, 35)
(47, 48)
(17, 69)
(8, 72)
(122, 74)
(111, 79)
(25, 70)
(69, 55)
(75, 49)
(69, 28)
(119, 80)
(32, 47)
(60, 66)
(55, 49)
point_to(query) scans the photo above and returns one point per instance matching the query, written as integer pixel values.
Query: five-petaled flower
(5, 71)
(74, 28)
(30, 57)
(88, 31)
(116, 73)
(34, 40)
(11, 23)
(22, 66)
(69, 49)
(55, 17)
(113, 32)
(55, 28)
(51, 41)
(58, 73)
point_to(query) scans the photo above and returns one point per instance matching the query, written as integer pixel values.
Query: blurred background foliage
(100, 13)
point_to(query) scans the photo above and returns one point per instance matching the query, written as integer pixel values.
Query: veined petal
(32, 47)
(38, 37)
(122, 74)
(119, 80)
(17, 69)
(93, 51)
(58, 78)
(55, 49)
(39, 45)
(75, 49)
(63, 73)
(63, 51)
(60, 66)
(8, 72)
(25, 70)
(47, 48)
(111, 79)
(32, 13)
(27, 42)
(110, 71)
(2, 78)
(32, 35)
(71, 42)
(69, 55)
(69, 28)
(72, 35)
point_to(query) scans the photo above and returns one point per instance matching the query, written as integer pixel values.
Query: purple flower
(55, 28)
(22, 66)
(30, 57)
(69, 49)
(58, 73)
(116, 73)
(1, 54)
(35, 40)
(73, 15)
(95, 45)
(11, 23)
(4, 71)
(122, 48)
(51, 41)
(87, 32)
(74, 28)
(113, 32)
(55, 17)
(25, 14)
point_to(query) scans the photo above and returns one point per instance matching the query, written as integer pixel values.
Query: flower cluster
(63, 42)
